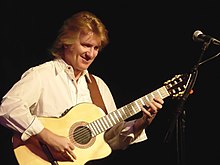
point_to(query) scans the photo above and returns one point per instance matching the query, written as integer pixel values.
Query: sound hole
(82, 135)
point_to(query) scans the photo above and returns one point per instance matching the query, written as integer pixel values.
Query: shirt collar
(63, 66)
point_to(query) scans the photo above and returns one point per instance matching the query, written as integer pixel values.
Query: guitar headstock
(177, 85)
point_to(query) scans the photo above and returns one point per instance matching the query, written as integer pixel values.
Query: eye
(86, 45)
(97, 48)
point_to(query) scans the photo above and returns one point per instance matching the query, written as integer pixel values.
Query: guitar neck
(102, 124)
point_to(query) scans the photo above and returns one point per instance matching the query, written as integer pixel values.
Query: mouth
(86, 57)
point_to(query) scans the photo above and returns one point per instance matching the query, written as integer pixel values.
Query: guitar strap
(95, 93)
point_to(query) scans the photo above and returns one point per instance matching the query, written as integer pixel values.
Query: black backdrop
(150, 42)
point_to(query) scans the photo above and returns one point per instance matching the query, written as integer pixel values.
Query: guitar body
(31, 153)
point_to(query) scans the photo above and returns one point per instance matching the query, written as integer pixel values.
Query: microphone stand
(178, 122)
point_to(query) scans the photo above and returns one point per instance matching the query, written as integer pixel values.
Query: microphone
(199, 36)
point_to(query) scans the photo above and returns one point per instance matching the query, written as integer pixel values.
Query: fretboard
(102, 124)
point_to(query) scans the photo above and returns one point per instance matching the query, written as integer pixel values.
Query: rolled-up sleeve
(35, 128)
(122, 135)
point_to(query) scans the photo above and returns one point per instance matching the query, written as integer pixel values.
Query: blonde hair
(71, 28)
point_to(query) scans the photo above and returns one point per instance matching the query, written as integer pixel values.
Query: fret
(106, 121)
(132, 109)
(155, 94)
(112, 118)
(135, 107)
(122, 112)
(91, 128)
(115, 116)
(150, 96)
(129, 107)
(164, 92)
(125, 110)
(99, 124)
(142, 102)
(138, 106)
(159, 94)
(119, 115)
(94, 128)
(102, 121)
(97, 127)
(109, 120)
(145, 99)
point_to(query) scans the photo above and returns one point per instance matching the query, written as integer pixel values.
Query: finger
(155, 105)
(152, 106)
(71, 153)
(67, 156)
(159, 100)
(71, 146)
(150, 110)
(146, 112)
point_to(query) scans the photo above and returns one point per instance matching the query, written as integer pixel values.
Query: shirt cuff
(35, 128)
(129, 132)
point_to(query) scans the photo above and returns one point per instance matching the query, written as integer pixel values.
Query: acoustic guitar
(86, 128)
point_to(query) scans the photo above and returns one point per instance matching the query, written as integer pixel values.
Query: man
(51, 88)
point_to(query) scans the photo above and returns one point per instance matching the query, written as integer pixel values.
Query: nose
(90, 51)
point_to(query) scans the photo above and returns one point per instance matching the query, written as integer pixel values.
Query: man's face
(83, 51)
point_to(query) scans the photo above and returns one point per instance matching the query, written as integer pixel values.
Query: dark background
(150, 42)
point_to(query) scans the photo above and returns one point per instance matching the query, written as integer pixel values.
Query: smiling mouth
(86, 57)
(85, 60)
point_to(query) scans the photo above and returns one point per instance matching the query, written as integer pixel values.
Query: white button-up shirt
(47, 90)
